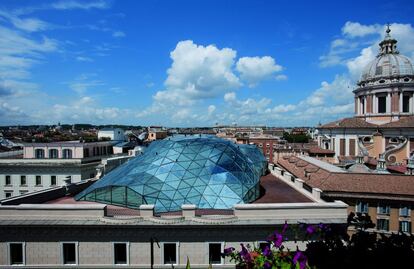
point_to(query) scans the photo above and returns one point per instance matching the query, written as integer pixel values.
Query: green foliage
(296, 138)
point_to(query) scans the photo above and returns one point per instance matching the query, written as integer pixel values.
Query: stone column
(411, 104)
(369, 104)
(356, 106)
(388, 103)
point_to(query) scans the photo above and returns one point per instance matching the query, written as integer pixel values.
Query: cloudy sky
(189, 63)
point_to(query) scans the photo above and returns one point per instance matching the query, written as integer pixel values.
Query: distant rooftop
(324, 165)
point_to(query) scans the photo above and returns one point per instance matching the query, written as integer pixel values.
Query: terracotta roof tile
(348, 123)
(318, 150)
(379, 184)
(406, 122)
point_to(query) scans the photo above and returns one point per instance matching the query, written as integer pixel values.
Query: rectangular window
(382, 104)
(170, 253)
(406, 103)
(38, 180)
(8, 180)
(120, 253)
(52, 180)
(352, 147)
(383, 209)
(23, 180)
(214, 253)
(23, 192)
(16, 253)
(342, 146)
(69, 253)
(362, 207)
(405, 211)
(405, 226)
(383, 224)
(362, 100)
(85, 153)
(8, 194)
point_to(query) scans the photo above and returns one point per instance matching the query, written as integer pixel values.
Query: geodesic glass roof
(207, 171)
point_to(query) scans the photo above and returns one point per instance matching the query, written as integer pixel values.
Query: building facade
(46, 165)
(116, 134)
(95, 235)
(387, 199)
(384, 111)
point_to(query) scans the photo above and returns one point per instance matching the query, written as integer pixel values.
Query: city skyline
(189, 64)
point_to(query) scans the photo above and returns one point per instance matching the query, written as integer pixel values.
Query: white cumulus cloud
(255, 69)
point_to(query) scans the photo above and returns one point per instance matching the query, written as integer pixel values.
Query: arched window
(39, 153)
(53, 154)
(67, 154)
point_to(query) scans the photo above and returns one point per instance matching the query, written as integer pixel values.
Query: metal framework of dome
(207, 171)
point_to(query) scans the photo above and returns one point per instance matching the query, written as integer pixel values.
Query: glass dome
(207, 171)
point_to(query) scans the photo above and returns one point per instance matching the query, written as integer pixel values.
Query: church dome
(389, 64)
(386, 66)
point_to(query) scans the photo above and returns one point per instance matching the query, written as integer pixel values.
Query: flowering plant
(274, 254)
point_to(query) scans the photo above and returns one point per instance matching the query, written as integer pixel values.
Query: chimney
(410, 166)
(381, 164)
(360, 159)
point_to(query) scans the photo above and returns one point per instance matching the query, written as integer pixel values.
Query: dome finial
(388, 45)
(388, 36)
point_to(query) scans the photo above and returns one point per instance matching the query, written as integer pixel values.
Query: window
(67, 154)
(16, 253)
(23, 192)
(69, 253)
(8, 194)
(39, 153)
(405, 226)
(85, 153)
(382, 104)
(53, 180)
(405, 211)
(383, 224)
(362, 207)
(214, 253)
(53, 154)
(121, 253)
(342, 146)
(260, 145)
(8, 180)
(23, 180)
(170, 253)
(383, 209)
(406, 103)
(268, 145)
(362, 100)
(38, 180)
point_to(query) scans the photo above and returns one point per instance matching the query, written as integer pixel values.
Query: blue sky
(189, 63)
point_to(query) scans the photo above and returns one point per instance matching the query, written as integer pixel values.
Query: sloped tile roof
(375, 184)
